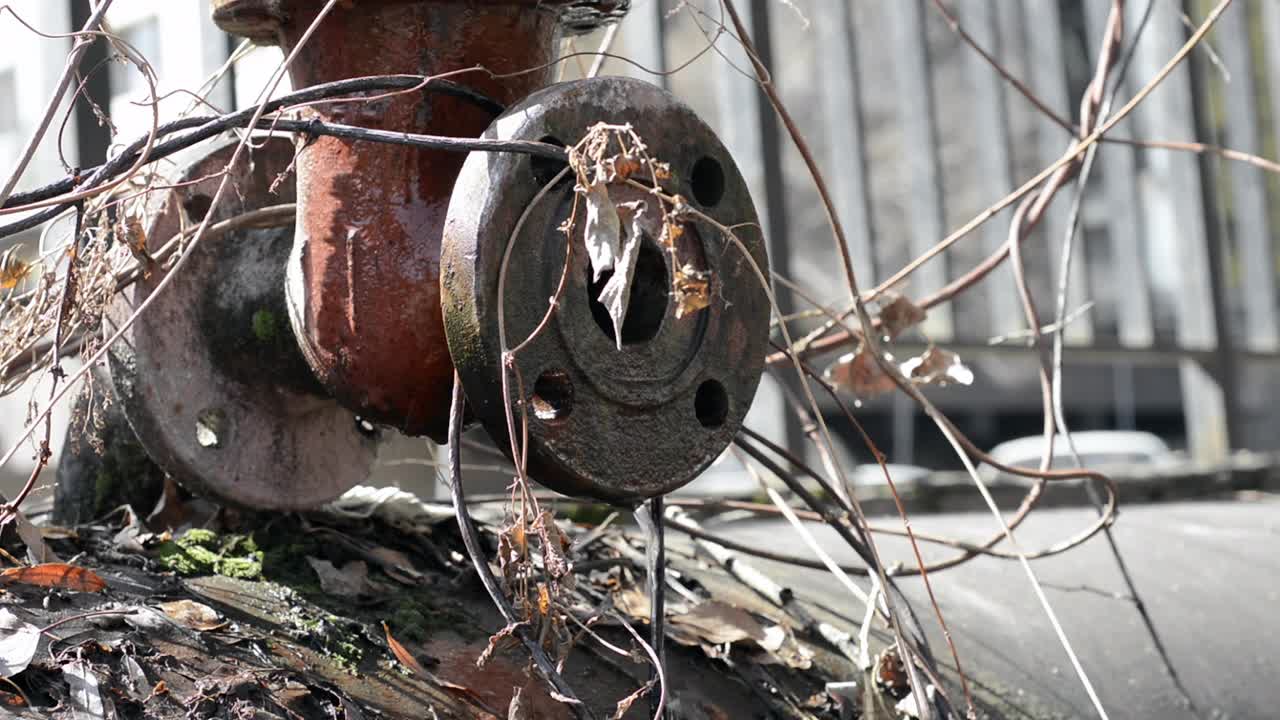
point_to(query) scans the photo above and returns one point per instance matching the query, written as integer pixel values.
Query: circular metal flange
(616, 425)
(210, 375)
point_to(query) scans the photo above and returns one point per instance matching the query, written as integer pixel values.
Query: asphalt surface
(1208, 572)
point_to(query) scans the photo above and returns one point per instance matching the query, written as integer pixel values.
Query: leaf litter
(151, 642)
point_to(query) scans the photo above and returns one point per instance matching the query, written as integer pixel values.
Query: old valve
(228, 396)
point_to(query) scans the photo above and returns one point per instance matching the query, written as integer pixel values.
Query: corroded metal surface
(210, 376)
(363, 277)
(619, 425)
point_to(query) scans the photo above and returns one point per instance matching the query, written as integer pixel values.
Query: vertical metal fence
(917, 133)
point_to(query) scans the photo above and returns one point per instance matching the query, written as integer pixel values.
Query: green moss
(335, 638)
(264, 325)
(183, 561)
(346, 654)
(198, 537)
(202, 552)
(244, 568)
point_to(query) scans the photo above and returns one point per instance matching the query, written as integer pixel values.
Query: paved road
(1209, 573)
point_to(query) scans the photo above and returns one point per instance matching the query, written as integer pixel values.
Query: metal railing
(917, 133)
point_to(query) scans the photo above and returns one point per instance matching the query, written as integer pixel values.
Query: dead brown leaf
(718, 623)
(860, 375)
(937, 367)
(55, 575)
(12, 269)
(19, 641)
(632, 602)
(616, 293)
(194, 615)
(406, 658)
(692, 288)
(899, 315)
(712, 625)
(603, 231)
(395, 564)
(351, 580)
(506, 633)
(403, 656)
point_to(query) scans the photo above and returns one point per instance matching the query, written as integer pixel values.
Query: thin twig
(55, 101)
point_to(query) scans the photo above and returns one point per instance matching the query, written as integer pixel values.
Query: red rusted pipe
(364, 273)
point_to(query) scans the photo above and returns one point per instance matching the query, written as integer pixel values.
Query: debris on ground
(363, 610)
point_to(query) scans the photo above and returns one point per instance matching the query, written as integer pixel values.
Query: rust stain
(370, 216)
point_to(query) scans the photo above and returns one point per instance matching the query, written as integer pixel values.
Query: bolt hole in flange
(707, 181)
(197, 206)
(647, 307)
(366, 428)
(545, 169)
(552, 395)
(211, 428)
(711, 404)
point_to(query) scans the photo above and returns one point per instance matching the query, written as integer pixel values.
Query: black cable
(311, 94)
(209, 126)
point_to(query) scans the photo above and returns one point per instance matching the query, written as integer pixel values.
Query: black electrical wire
(203, 128)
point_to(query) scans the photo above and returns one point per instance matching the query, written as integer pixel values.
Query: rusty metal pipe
(363, 282)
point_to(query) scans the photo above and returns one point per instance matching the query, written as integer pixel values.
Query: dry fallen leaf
(351, 580)
(859, 373)
(891, 674)
(616, 293)
(55, 575)
(135, 680)
(544, 599)
(632, 602)
(937, 367)
(194, 615)
(395, 564)
(403, 656)
(899, 315)
(38, 550)
(18, 643)
(86, 701)
(692, 288)
(712, 625)
(603, 231)
(717, 623)
(12, 269)
(406, 658)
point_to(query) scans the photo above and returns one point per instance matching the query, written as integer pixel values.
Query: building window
(8, 116)
(8, 103)
(144, 36)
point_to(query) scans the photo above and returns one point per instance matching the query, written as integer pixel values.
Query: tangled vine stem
(839, 330)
